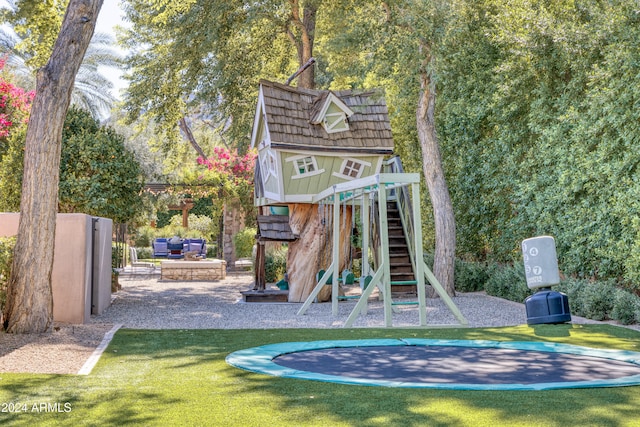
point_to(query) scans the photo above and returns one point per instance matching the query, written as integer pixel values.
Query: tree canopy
(98, 175)
(217, 52)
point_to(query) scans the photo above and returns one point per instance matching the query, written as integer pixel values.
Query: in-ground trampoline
(444, 364)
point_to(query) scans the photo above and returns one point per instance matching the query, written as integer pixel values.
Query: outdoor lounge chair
(160, 249)
(196, 245)
(137, 264)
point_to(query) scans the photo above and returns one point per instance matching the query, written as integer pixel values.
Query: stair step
(405, 303)
(402, 269)
(399, 279)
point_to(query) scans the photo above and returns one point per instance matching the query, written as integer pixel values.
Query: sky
(111, 15)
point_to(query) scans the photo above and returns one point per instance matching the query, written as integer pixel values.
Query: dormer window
(331, 113)
(335, 122)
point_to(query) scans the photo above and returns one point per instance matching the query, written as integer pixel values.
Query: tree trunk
(305, 23)
(233, 223)
(260, 282)
(444, 257)
(312, 251)
(29, 294)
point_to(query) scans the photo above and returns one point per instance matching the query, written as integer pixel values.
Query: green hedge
(601, 301)
(596, 300)
(470, 276)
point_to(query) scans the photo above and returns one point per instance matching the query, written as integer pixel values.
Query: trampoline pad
(444, 364)
(448, 364)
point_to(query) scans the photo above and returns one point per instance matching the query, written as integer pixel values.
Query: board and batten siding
(301, 188)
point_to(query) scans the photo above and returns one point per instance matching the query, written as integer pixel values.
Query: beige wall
(71, 278)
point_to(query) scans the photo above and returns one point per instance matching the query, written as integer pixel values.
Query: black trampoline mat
(456, 364)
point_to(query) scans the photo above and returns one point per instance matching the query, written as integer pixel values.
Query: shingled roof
(289, 112)
(275, 228)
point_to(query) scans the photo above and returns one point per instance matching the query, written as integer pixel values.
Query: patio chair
(160, 249)
(196, 245)
(135, 263)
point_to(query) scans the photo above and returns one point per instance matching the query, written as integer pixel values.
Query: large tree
(395, 44)
(29, 294)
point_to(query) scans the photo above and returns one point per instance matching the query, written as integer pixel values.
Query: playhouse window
(335, 122)
(264, 166)
(351, 169)
(272, 164)
(306, 165)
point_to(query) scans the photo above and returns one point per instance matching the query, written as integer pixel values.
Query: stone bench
(193, 270)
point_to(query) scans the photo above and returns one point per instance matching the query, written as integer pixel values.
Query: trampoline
(444, 364)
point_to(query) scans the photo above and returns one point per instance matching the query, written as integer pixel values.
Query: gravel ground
(145, 302)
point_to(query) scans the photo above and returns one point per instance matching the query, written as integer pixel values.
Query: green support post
(335, 284)
(419, 263)
(384, 246)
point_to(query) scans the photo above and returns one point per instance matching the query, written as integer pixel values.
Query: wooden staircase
(399, 256)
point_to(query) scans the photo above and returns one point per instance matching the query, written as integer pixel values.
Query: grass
(179, 377)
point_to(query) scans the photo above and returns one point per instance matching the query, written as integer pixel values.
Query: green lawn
(179, 377)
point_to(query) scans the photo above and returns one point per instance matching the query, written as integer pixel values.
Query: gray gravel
(145, 302)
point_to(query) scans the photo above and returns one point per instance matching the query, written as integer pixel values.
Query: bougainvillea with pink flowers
(226, 175)
(239, 169)
(15, 104)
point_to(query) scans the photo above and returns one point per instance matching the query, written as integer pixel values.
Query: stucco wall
(77, 288)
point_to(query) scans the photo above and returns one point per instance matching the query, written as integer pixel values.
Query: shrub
(144, 253)
(598, 299)
(626, 307)
(507, 282)
(116, 256)
(275, 265)
(574, 289)
(243, 242)
(212, 250)
(143, 236)
(470, 276)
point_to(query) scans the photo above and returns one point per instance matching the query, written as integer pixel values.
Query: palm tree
(92, 89)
